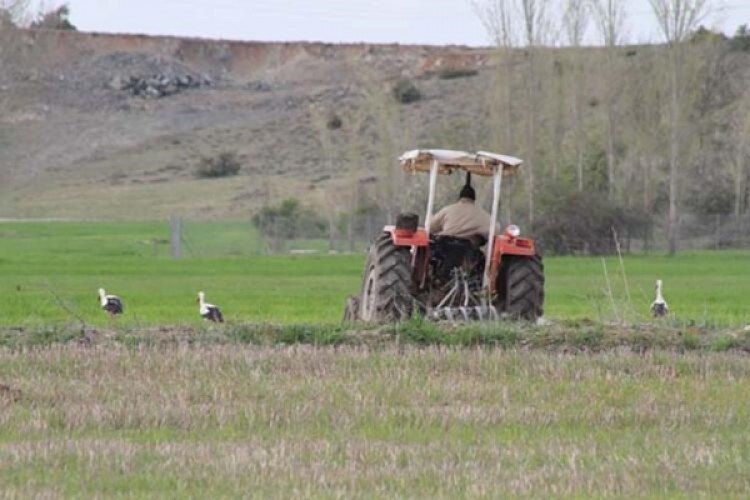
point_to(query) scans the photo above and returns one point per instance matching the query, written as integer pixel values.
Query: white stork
(209, 312)
(112, 304)
(659, 307)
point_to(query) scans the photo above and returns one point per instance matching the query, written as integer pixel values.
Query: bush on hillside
(334, 122)
(226, 164)
(454, 73)
(703, 34)
(406, 92)
(741, 40)
(57, 19)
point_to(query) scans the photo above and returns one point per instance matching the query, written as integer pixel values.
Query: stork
(112, 304)
(209, 312)
(659, 307)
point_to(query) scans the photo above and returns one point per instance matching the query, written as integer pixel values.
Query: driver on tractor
(463, 219)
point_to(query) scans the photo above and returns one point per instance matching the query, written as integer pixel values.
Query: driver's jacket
(461, 220)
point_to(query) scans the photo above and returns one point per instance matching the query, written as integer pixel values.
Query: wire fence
(190, 238)
(695, 233)
(713, 232)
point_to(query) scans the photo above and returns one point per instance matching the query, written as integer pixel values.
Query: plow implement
(463, 302)
(454, 314)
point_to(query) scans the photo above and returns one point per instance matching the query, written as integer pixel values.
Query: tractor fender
(505, 245)
(408, 238)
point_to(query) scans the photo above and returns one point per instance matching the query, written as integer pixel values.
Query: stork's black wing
(114, 305)
(217, 315)
(214, 314)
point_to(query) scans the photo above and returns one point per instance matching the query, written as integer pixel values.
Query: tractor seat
(449, 252)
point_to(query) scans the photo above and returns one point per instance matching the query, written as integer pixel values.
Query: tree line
(21, 13)
(659, 128)
(617, 137)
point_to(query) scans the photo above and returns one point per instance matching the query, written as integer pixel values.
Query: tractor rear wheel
(386, 286)
(521, 288)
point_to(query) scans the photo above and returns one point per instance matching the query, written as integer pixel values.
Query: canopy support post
(431, 200)
(497, 185)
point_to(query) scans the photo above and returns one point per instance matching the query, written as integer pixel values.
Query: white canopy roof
(480, 163)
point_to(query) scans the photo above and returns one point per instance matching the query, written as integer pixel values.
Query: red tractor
(411, 271)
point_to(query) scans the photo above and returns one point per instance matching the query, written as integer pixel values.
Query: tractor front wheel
(386, 286)
(521, 288)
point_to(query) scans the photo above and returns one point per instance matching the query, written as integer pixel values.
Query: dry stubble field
(363, 421)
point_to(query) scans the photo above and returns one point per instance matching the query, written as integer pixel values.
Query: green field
(50, 272)
(284, 402)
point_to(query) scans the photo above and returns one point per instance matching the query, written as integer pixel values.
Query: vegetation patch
(564, 336)
(406, 92)
(226, 164)
(50, 272)
(456, 73)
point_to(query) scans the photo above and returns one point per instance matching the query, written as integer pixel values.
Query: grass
(284, 401)
(49, 272)
(570, 336)
(411, 422)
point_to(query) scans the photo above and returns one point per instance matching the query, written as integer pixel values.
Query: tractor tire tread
(525, 292)
(393, 300)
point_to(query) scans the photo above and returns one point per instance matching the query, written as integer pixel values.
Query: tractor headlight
(513, 231)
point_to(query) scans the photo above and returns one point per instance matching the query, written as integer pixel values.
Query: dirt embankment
(241, 59)
(124, 119)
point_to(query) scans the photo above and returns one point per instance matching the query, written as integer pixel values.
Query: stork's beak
(197, 301)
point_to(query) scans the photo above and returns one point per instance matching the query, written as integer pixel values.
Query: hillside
(75, 145)
(114, 126)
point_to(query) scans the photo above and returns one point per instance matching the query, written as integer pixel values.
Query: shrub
(334, 122)
(454, 73)
(287, 221)
(226, 164)
(582, 223)
(713, 195)
(703, 34)
(405, 92)
(57, 19)
(741, 40)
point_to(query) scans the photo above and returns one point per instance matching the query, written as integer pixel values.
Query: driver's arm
(438, 222)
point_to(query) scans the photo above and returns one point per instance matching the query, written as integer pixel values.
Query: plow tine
(456, 314)
(448, 297)
(493, 314)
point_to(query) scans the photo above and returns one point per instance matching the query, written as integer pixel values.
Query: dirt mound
(104, 67)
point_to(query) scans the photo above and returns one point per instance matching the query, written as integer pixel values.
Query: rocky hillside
(113, 126)
(103, 126)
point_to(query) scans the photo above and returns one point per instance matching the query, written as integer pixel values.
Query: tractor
(409, 270)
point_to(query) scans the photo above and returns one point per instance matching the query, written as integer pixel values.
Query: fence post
(718, 231)
(741, 233)
(175, 231)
